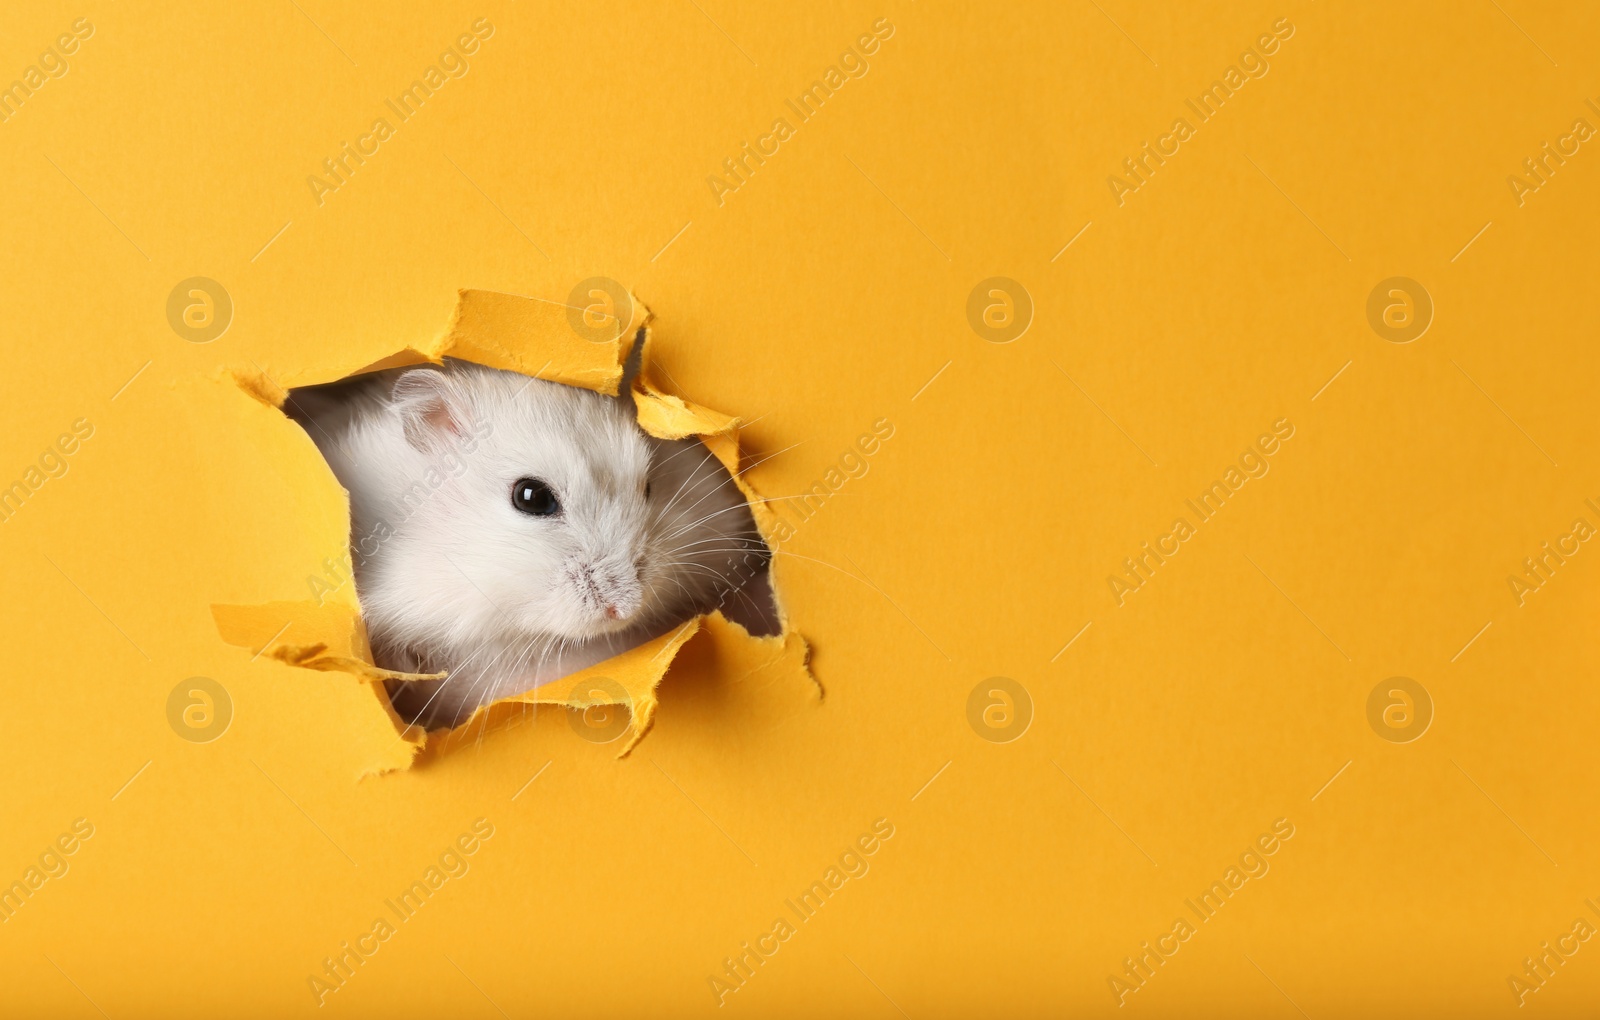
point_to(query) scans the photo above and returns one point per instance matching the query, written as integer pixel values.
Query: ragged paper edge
(348, 651)
(637, 671)
(668, 416)
(519, 334)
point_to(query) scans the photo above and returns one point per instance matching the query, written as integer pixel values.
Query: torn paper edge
(659, 412)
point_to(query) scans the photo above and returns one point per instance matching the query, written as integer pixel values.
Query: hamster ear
(428, 409)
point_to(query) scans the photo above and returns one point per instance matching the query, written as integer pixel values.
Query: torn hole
(537, 531)
(511, 531)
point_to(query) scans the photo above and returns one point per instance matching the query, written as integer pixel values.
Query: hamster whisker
(476, 676)
(735, 543)
(702, 568)
(813, 559)
(683, 447)
(708, 517)
(743, 559)
(746, 469)
(803, 495)
(683, 487)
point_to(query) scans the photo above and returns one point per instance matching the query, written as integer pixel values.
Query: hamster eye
(646, 490)
(532, 496)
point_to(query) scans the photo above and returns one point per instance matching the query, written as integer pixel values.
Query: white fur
(452, 577)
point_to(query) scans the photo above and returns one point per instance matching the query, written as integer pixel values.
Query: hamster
(510, 530)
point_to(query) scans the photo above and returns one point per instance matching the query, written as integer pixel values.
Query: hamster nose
(617, 593)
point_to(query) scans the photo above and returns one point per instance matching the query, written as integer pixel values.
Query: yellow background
(822, 296)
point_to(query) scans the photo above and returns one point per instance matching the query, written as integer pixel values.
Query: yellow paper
(981, 303)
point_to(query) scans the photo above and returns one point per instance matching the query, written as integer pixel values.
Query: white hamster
(511, 530)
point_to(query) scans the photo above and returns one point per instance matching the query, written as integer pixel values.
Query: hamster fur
(632, 536)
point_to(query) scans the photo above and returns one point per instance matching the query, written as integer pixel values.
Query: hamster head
(554, 514)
